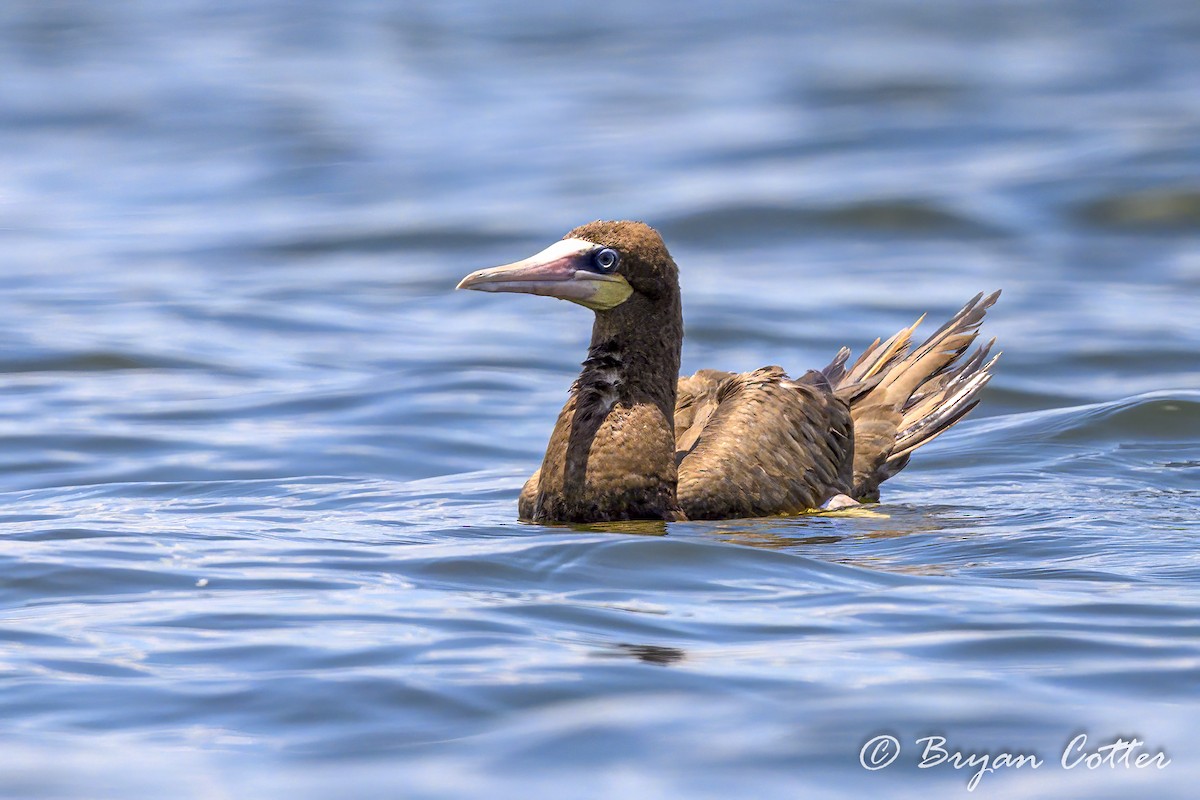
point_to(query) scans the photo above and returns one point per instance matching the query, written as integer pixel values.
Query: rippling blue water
(258, 462)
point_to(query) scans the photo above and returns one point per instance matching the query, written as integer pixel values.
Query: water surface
(259, 463)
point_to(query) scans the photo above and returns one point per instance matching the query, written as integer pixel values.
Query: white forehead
(565, 248)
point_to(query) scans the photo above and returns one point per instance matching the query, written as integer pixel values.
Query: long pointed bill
(562, 271)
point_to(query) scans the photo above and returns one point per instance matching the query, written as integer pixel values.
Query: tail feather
(872, 366)
(902, 398)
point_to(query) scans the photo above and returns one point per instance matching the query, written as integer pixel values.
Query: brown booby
(636, 441)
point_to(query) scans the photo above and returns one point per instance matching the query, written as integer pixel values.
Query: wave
(1168, 415)
(738, 221)
(1151, 210)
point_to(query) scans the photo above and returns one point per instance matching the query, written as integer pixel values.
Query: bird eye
(606, 260)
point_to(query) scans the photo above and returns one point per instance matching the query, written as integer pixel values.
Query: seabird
(636, 441)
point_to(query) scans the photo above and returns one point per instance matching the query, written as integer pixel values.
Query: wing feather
(760, 443)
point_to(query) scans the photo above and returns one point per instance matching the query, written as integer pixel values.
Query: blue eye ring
(606, 259)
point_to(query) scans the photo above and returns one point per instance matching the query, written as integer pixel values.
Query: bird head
(600, 265)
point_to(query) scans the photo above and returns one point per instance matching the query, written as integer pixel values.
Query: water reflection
(638, 527)
(836, 536)
(851, 537)
(649, 653)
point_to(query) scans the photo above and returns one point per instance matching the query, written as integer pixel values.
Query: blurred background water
(258, 462)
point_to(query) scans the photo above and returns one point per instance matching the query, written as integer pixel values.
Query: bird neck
(633, 357)
(612, 453)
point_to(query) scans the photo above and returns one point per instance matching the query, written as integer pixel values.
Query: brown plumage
(635, 441)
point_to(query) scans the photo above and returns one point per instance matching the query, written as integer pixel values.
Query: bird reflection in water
(650, 653)
(848, 532)
(637, 527)
(803, 533)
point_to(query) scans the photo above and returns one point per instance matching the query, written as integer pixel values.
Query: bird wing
(695, 401)
(760, 443)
